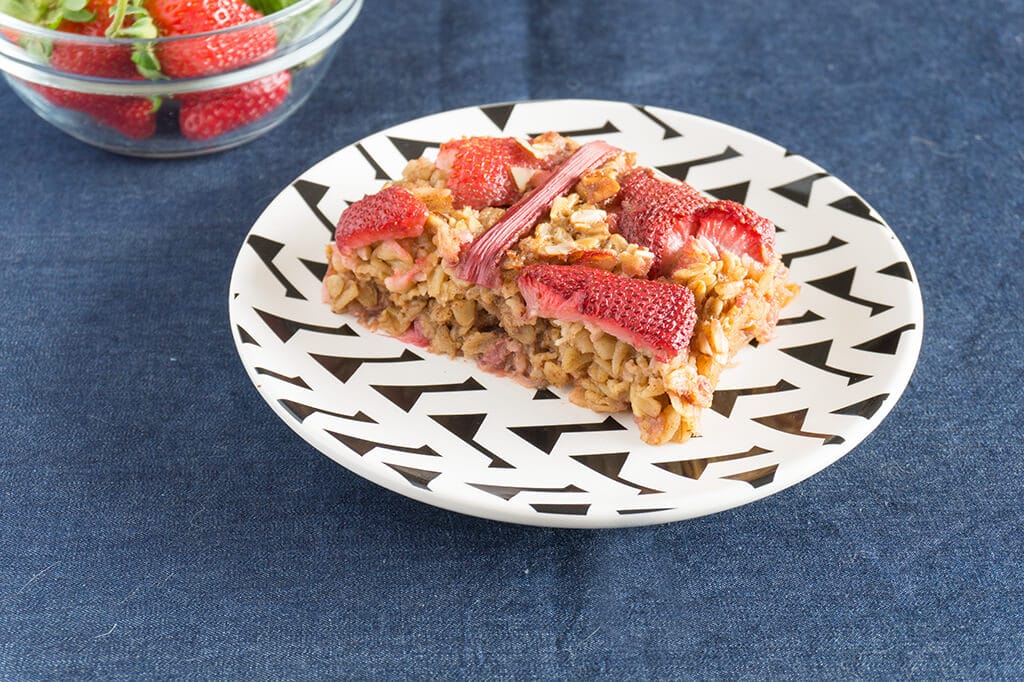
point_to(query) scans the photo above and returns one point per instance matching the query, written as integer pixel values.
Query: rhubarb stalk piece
(481, 261)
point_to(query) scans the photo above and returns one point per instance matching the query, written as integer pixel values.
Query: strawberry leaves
(132, 20)
(70, 10)
(266, 7)
(48, 13)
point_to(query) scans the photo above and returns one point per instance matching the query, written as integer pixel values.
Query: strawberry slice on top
(736, 228)
(392, 213)
(648, 314)
(658, 214)
(482, 171)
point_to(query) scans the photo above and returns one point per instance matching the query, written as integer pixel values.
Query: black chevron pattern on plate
(466, 426)
(379, 173)
(406, 396)
(610, 465)
(507, 492)
(361, 446)
(680, 170)
(245, 336)
(756, 478)
(899, 269)
(790, 408)
(316, 268)
(793, 423)
(737, 192)
(725, 399)
(419, 478)
(301, 411)
(854, 205)
(294, 381)
(799, 190)
(499, 114)
(576, 509)
(841, 284)
(694, 468)
(865, 408)
(607, 129)
(286, 328)
(833, 243)
(411, 149)
(267, 250)
(343, 367)
(808, 316)
(816, 354)
(545, 436)
(669, 131)
(312, 193)
(888, 343)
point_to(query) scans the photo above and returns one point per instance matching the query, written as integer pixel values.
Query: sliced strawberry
(494, 171)
(206, 115)
(657, 214)
(736, 228)
(208, 54)
(392, 213)
(480, 170)
(648, 314)
(480, 263)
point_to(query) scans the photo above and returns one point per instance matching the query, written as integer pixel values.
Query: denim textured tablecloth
(157, 521)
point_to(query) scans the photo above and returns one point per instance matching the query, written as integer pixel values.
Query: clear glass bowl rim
(322, 35)
(23, 27)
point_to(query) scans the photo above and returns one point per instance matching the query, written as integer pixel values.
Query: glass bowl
(170, 117)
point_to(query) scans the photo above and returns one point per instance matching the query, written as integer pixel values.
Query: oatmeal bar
(563, 264)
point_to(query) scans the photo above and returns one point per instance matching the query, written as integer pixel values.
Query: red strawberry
(734, 227)
(648, 314)
(657, 214)
(206, 115)
(134, 117)
(208, 54)
(105, 61)
(97, 26)
(480, 170)
(392, 213)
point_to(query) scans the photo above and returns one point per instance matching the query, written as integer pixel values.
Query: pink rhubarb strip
(481, 261)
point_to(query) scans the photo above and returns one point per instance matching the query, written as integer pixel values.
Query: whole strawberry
(209, 53)
(206, 115)
(133, 117)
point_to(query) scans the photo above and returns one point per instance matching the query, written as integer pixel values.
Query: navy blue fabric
(157, 521)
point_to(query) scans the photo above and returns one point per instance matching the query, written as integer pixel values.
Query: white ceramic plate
(445, 433)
